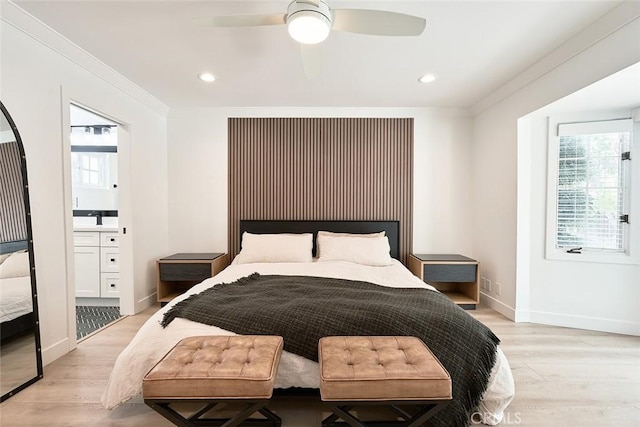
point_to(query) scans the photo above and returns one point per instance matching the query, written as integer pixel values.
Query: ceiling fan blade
(245, 20)
(377, 22)
(311, 55)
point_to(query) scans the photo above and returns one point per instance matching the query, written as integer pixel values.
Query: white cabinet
(109, 260)
(86, 238)
(109, 239)
(109, 285)
(97, 264)
(87, 265)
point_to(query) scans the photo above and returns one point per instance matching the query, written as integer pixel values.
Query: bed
(296, 372)
(16, 303)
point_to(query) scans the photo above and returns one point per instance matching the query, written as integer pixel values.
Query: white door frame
(127, 306)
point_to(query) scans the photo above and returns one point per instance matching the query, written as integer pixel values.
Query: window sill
(592, 257)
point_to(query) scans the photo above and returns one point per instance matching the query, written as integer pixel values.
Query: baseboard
(146, 302)
(585, 322)
(55, 351)
(499, 306)
(98, 302)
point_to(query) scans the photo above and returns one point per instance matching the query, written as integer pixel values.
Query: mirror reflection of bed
(16, 317)
(20, 362)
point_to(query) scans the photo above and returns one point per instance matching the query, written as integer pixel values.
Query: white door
(125, 235)
(114, 284)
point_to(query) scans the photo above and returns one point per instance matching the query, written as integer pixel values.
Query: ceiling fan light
(308, 27)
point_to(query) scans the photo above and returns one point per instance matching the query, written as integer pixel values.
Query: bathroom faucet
(98, 216)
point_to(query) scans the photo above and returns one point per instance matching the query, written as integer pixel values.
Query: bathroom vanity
(97, 265)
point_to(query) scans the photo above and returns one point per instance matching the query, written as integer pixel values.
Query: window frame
(101, 172)
(629, 255)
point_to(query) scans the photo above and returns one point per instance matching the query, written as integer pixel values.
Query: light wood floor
(17, 362)
(564, 377)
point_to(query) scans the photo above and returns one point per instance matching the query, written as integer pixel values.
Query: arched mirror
(20, 354)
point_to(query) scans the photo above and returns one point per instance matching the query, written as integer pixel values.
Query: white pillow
(275, 248)
(331, 233)
(361, 250)
(17, 265)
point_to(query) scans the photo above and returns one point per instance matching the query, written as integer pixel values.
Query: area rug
(90, 319)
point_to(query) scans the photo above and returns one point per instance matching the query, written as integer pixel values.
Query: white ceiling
(474, 47)
(619, 91)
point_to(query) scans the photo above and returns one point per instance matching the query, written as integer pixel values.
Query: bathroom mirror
(20, 353)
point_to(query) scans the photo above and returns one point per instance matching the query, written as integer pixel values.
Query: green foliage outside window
(591, 190)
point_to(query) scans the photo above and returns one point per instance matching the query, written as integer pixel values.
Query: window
(90, 169)
(589, 189)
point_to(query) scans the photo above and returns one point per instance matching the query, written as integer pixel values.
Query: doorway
(94, 202)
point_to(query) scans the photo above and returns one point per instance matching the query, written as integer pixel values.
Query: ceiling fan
(309, 22)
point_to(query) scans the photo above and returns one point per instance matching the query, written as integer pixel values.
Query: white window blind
(593, 185)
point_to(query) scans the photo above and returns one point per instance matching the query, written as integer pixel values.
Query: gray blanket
(303, 309)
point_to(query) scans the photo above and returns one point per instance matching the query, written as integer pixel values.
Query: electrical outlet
(489, 285)
(483, 283)
(498, 289)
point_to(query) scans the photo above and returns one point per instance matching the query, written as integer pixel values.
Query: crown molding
(13, 15)
(625, 14)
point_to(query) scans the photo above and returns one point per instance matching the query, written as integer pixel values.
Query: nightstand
(179, 272)
(454, 275)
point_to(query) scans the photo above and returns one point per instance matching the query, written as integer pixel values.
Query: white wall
(37, 68)
(198, 174)
(500, 233)
(588, 295)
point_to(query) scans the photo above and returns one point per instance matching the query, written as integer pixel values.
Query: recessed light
(207, 77)
(427, 78)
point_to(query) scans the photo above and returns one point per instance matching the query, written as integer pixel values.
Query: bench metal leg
(426, 413)
(401, 412)
(202, 411)
(333, 417)
(163, 407)
(167, 412)
(426, 410)
(345, 415)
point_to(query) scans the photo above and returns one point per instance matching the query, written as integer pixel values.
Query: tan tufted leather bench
(382, 371)
(212, 370)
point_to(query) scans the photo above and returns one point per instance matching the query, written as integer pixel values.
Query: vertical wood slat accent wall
(321, 169)
(13, 224)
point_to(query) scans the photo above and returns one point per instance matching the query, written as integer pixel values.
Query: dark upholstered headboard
(391, 229)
